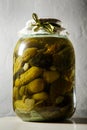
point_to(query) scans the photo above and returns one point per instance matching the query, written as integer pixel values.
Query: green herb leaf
(47, 26)
(35, 17)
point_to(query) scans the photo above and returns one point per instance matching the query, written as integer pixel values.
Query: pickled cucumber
(28, 53)
(15, 93)
(50, 76)
(22, 90)
(24, 106)
(36, 86)
(40, 96)
(17, 64)
(29, 75)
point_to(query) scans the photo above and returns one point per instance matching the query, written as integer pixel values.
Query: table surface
(15, 123)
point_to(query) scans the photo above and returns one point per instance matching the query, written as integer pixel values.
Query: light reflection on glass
(20, 52)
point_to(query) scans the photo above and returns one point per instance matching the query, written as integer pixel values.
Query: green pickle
(44, 78)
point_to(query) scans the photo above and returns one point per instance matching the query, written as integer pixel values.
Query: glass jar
(44, 76)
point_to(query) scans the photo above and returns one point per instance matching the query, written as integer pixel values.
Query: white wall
(13, 16)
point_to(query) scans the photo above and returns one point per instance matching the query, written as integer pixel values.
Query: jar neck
(44, 35)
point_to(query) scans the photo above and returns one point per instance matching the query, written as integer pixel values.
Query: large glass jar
(44, 76)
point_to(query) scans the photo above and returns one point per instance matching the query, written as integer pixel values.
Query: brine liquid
(44, 78)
